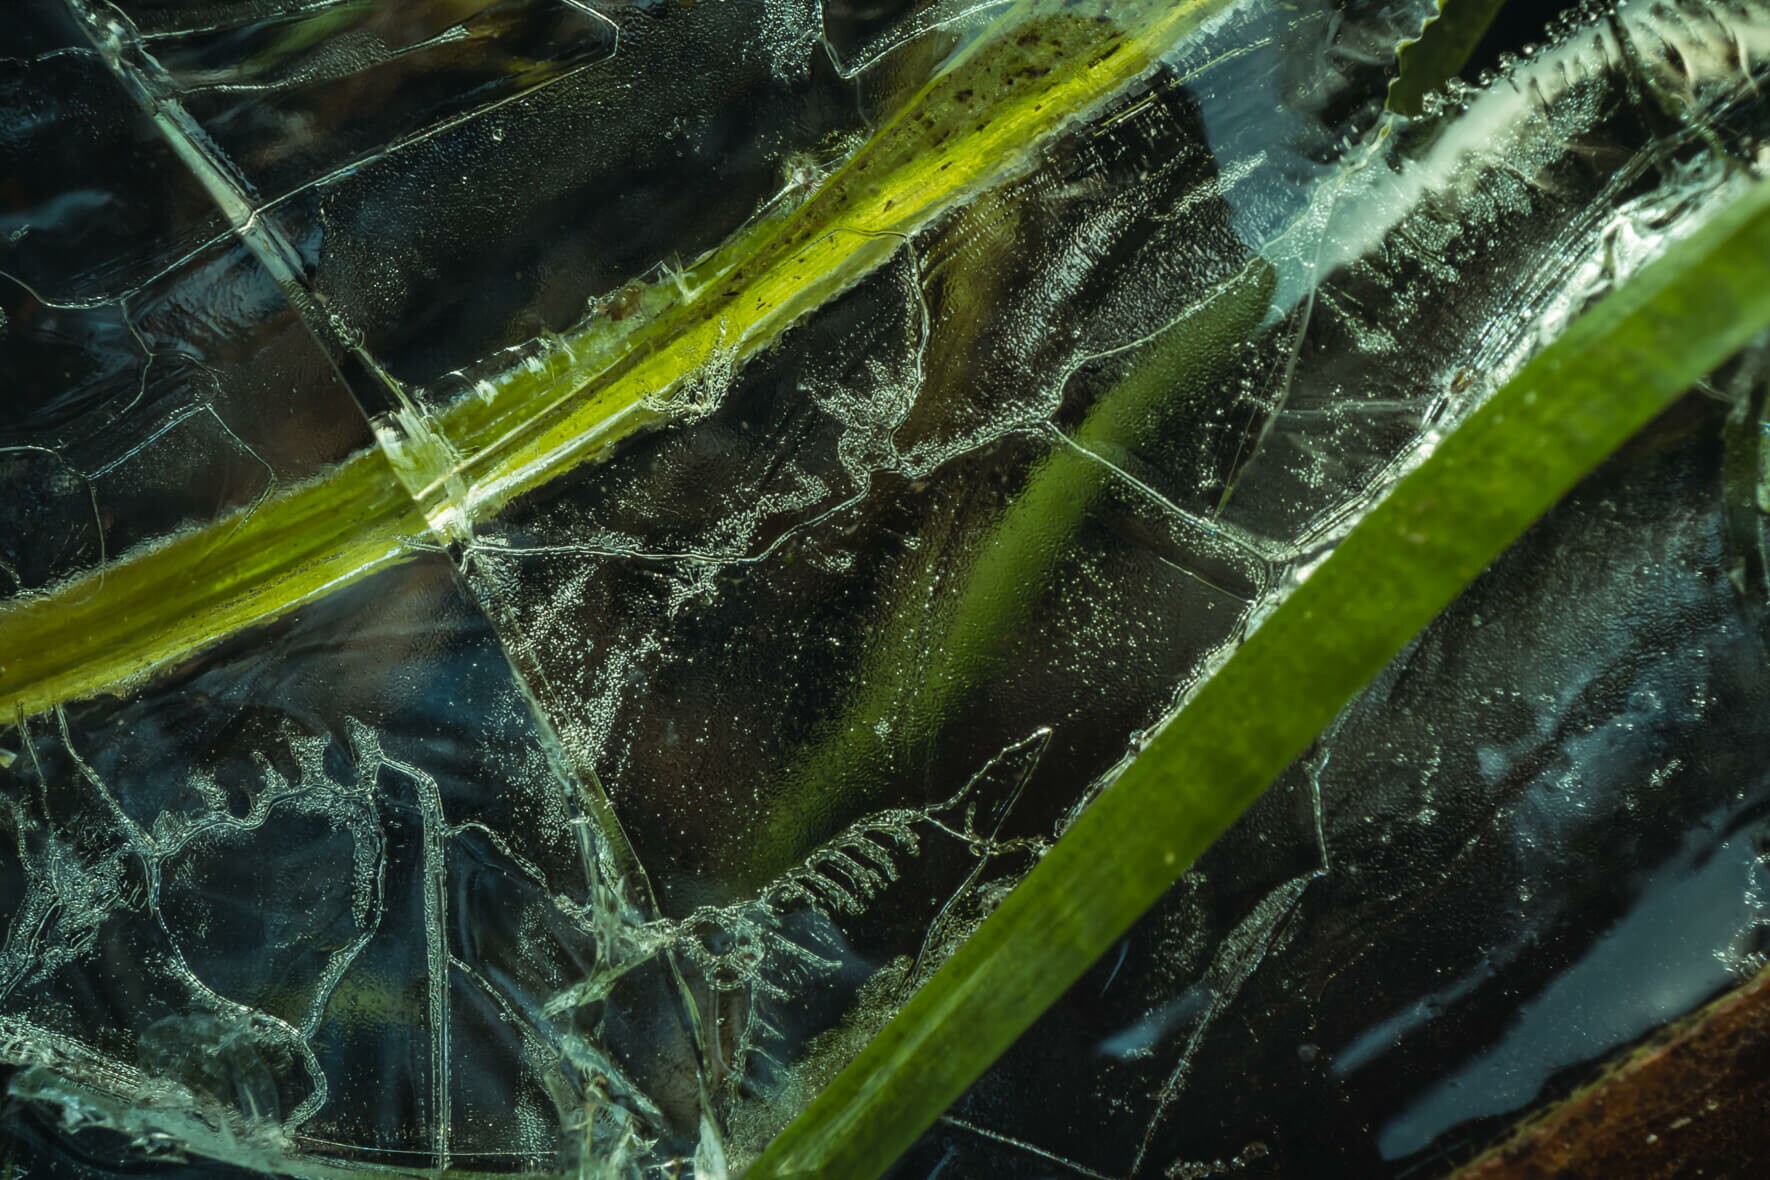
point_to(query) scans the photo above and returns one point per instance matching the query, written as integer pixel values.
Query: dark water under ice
(596, 831)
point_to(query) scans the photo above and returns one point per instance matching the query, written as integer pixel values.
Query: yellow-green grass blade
(1446, 41)
(979, 122)
(1040, 67)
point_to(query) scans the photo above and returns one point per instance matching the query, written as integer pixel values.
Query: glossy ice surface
(561, 555)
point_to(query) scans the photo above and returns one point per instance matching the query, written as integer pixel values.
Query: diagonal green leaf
(1443, 46)
(1617, 366)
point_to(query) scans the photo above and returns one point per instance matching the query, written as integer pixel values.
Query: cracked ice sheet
(1536, 838)
(698, 658)
(157, 377)
(893, 588)
(285, 908)
(886, 451)
(194, 397)
(454, 179)
(269, 907)
(1340, 978)
(810, 679)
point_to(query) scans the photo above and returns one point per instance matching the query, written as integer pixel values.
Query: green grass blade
(1580, 398)
(1434, 57)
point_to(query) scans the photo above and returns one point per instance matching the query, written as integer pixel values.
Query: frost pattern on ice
(801, 683)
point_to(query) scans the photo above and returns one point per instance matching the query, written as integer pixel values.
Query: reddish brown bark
(1692, 1102)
